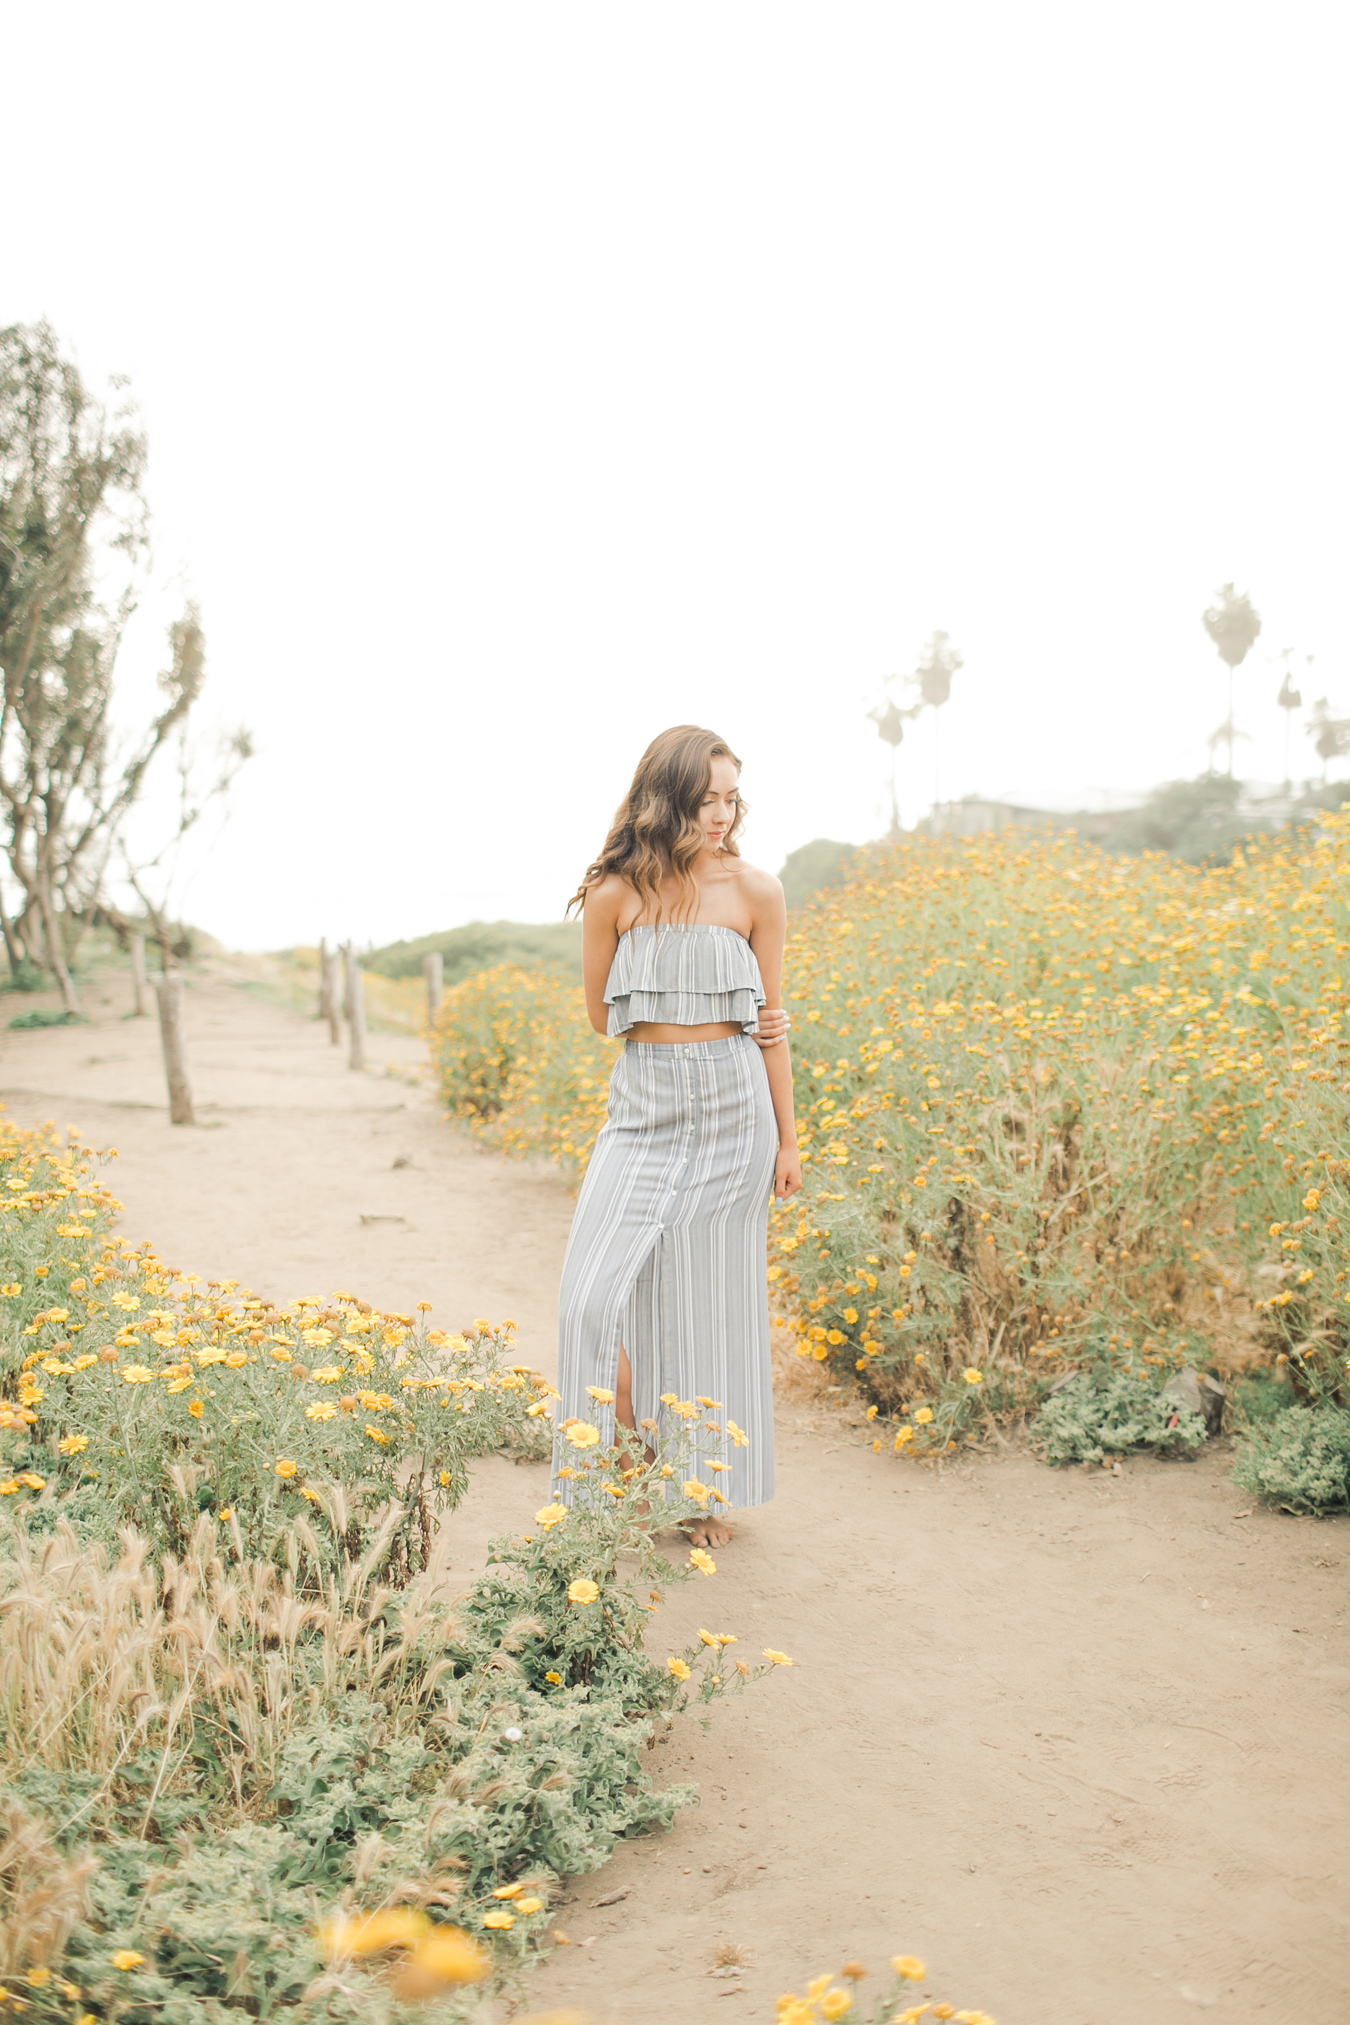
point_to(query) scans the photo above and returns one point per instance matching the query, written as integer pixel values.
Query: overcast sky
(521, 379)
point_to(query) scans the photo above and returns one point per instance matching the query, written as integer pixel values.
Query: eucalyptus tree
(74, 547)
(1233, 624)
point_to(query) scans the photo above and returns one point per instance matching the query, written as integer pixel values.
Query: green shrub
(1299, 1459)
(1100, 1413)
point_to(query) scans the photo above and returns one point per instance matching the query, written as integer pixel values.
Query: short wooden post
(169, 992)
(140, 982)
(356, 1011)
(325, 981)
(435, 971)
(330, 1000)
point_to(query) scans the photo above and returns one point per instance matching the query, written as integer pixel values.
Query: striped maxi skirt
(667, 1255)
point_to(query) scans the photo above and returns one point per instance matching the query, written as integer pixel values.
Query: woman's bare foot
(706, 1532)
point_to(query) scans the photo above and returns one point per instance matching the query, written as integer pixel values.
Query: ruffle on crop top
(689, 976)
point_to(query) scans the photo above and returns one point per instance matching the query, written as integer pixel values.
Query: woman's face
(717, 810)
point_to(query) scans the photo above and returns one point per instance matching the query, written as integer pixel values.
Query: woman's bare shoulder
(759, 887)
(606, 897)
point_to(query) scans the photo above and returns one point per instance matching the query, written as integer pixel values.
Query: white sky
(523, 378)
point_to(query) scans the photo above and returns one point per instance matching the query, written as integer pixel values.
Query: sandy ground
(1078, 1740)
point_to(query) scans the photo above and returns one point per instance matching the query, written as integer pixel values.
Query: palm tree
(1289, 699)
(890, 724)
(933, 679)
(1233, 625)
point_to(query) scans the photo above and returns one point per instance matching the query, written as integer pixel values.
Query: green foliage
(812, 866)
(1299, 1459)
(484, 945)
(47, 1016)
(1099, 1413)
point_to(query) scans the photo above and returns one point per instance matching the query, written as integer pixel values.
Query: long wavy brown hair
(655, 834)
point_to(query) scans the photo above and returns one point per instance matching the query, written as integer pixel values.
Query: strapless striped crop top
(690, 976)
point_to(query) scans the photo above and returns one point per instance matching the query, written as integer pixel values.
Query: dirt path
(1080, 1741)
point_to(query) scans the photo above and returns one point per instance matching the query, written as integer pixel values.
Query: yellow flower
(529, 1905)
(136, 1374)
(550, 1516)
(179, 1385)
(778, 1658)
(835, 2003)
(718, 1638)
(972, 1376)
(316, 1338)
(695, 1490)
(678, 1668)
(502, 1920)
(126, 1958)
(226, 1514)
(703, 1561)
(924, 1415)
(850, 1316)
(582, 1435)
(32, 1479)
(330, 1373)
(378, 1434)
(11, 1290)
(600, 1392)
(197, 1409)
(372, 1933)
(73, 1444)
(738, 1435)
(324, 1410)
(909, 1968)
(703, 1400)
(285, 1467)
(554, 1678)
(236, 1360)
(9, 1487)
(583, 1590)
(445, 1956)
(508, 1891)
(834, 1336)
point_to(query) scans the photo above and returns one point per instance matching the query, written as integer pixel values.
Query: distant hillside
(481, 945)
(822, 862)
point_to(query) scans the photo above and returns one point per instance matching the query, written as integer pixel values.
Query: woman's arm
(768, 933)
(599, 940)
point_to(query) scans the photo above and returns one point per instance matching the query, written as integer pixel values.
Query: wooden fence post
(169, 992)
(330, 997)
(356, 1010)
(435, 972)
(140, 983)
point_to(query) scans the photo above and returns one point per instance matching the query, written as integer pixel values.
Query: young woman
(664, 1296)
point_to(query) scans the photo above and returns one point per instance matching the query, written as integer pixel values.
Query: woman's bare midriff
(652, 1030)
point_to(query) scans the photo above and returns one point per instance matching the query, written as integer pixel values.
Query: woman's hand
(773, 1026)
(787, 1173)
